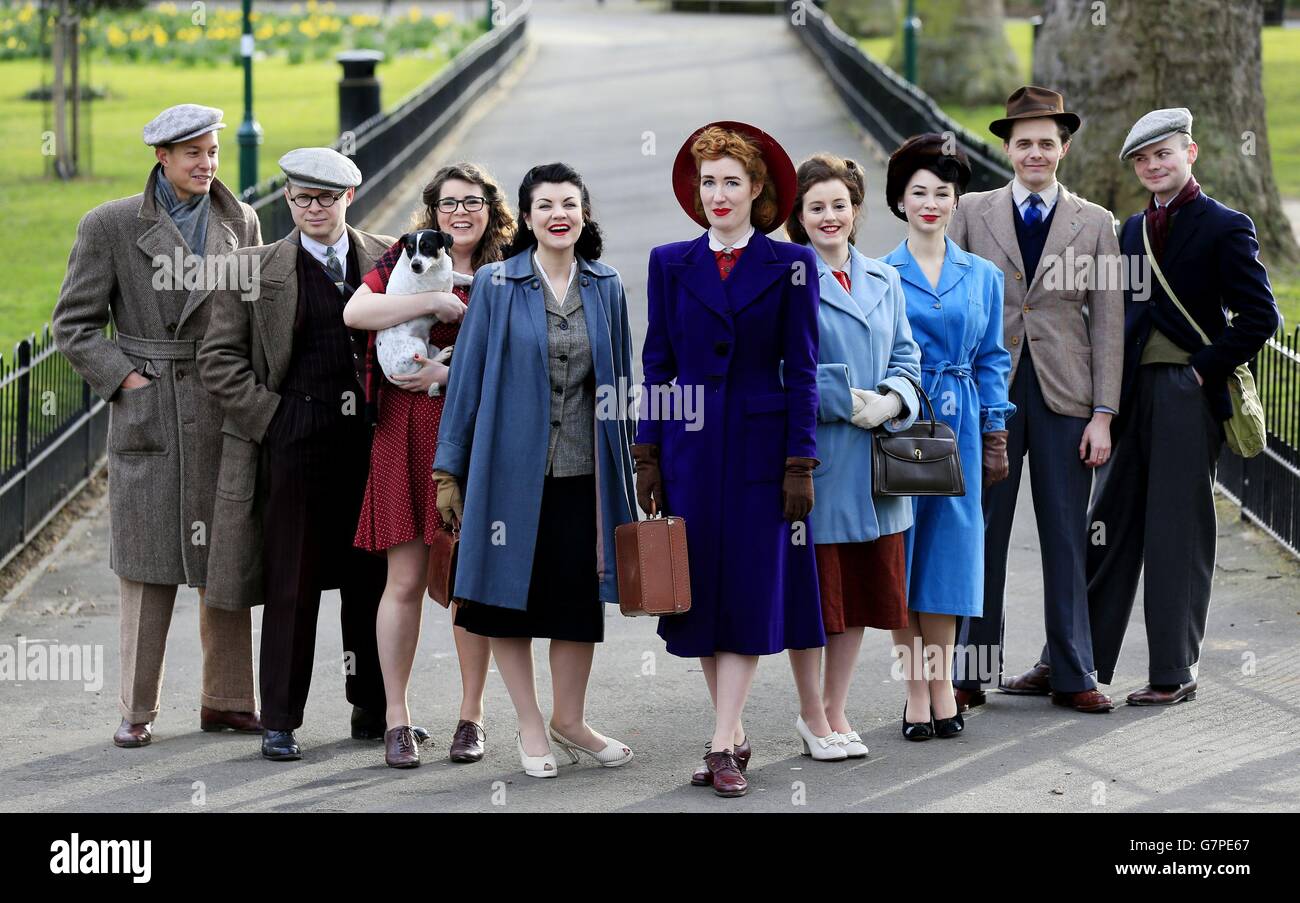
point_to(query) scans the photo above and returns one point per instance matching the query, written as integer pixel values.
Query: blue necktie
(1032, 216)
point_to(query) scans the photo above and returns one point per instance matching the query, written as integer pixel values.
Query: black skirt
(564, 590)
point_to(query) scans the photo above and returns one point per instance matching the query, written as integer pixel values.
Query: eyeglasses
(325, 200)
(471, 203)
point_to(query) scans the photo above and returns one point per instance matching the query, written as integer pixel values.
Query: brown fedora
(1033, 102)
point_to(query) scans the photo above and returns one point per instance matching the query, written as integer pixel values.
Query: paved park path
(600, 85)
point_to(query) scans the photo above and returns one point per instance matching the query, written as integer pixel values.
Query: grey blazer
(1076, 332)
(242, 362)
(164, 438)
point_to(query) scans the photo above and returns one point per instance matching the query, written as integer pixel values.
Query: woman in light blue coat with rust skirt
(866, 365)
(954, 306)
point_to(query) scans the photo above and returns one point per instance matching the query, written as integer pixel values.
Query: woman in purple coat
(727, 431)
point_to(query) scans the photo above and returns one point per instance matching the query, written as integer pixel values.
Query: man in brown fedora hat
(1064, 328)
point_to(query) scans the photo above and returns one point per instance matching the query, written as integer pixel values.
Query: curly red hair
(714, 143)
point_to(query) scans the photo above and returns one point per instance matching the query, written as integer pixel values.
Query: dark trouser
(1061, 484)
(1154, 507)
(317, 462)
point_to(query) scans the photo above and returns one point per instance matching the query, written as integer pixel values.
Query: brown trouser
(225, 636)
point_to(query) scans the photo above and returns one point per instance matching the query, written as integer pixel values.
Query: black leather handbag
(920, 460)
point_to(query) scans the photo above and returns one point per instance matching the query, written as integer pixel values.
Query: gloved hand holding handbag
(870, 409)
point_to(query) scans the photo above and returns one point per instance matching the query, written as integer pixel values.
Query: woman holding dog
(867, 363)
(400, 513)
(533, 465)
(733, 318)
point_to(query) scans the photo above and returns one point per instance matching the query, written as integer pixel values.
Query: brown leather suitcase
(654, 577)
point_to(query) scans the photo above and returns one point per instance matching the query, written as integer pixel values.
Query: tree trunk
(1126, 59)
(59, 93)
(866, 18)
(74, 77)
(963, 56)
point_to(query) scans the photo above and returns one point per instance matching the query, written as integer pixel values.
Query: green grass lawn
(1286, 288)
(297, 105)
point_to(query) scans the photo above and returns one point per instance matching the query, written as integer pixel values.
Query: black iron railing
(1267, 487)
(890, 108)
(52, 437)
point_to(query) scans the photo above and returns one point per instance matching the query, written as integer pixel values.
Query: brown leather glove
(649, 481)
(451, 504)
(996, 466)
(797, 491)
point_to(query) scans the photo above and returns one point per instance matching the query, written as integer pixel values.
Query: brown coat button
(1017, 275)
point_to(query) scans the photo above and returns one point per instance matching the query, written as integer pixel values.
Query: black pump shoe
(947, 728)
(922, 730)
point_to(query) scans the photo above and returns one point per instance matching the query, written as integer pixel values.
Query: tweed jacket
(1073, 326)
(243, 361)
(163, 438)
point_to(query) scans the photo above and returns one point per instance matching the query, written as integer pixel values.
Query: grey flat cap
(1156, 126)
(181, 123)
(320, 167)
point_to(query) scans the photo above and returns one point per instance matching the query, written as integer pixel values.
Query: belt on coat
(962, 371)
(162, 349)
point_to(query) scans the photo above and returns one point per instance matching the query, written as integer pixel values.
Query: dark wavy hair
(501, 226)
(590, 243)
(929, 151)
(826, 168)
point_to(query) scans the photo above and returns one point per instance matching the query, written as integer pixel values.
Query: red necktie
(843, 279)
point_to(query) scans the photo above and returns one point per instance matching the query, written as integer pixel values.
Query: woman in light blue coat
(954, 306)
(866, 362)
(534, 437)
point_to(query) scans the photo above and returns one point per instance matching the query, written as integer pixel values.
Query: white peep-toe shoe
(536, 766)
(822, 749)
(612, 755)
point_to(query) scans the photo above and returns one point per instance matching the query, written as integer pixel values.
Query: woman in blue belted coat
(733, 335)
(867, 364)
(954, 306)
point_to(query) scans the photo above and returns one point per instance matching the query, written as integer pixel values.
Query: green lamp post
(250, 133)
(911, 25)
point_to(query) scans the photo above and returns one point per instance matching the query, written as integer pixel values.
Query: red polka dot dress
(401, 501)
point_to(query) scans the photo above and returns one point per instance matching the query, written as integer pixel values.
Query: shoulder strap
(1164, 284)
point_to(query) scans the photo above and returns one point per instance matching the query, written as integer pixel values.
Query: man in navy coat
(1153, 505)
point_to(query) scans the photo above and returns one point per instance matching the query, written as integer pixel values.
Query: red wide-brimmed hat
(779, 170)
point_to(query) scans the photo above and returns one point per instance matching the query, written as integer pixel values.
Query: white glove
(870, 409)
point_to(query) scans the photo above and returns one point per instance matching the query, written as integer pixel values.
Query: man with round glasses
(296, 450)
